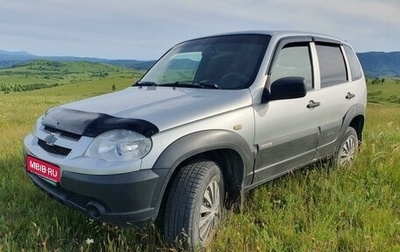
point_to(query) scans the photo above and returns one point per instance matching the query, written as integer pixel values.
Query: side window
(331, 65)
(355, 68)
(294, 60)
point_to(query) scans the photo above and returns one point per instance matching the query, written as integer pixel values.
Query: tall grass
(314, 209)
(321, 209)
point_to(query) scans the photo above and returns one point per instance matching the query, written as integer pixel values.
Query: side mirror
(286, 88)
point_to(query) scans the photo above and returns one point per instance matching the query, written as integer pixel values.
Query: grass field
(384, 92)
(316, 209)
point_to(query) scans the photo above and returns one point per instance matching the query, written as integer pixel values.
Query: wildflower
(89, 241)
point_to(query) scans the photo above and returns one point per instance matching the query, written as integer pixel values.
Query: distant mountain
(18, 53)
(375, 64)
(10, 59)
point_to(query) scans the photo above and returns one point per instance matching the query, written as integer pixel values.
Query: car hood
(164, 107)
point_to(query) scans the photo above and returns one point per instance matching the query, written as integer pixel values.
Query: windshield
(221, 62)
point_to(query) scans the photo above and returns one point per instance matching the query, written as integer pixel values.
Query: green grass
(384, 92)
(44, 74)
(315, 209)
(321, 209)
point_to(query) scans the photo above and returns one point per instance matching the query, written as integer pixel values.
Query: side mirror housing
(285, 88)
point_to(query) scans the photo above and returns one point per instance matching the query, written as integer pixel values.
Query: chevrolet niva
(212, 119)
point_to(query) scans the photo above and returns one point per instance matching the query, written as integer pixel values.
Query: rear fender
(353, 112)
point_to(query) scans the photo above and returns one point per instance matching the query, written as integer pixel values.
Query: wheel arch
(354, 118)
(358, 124)
(228, 149)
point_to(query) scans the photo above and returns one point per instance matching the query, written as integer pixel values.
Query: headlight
(119, 145)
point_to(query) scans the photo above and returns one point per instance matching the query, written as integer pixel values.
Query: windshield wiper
(145, 83)
(206, 85)
(190, 85)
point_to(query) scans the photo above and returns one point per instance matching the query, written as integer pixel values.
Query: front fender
(200, 142)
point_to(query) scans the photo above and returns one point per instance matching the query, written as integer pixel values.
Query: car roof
(278, 34)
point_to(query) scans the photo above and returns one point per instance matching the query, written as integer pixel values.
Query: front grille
(55, 149)
(63, 133)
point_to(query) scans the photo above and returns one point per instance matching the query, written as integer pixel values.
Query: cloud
(145, 29)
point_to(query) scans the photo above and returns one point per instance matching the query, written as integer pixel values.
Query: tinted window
(355, 68)
(225, 62)
(331, 65)
(182, 67)
(294, 60)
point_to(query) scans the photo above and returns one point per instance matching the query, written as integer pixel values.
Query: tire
(347, 150)
(194, 206)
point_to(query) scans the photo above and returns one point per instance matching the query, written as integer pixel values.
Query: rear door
(336, 93)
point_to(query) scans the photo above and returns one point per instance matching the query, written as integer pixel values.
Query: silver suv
(212, 119)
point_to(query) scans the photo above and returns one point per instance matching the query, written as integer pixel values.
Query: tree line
(6, 89)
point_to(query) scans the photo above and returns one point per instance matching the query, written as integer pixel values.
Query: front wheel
(195, 205)
(347, 150)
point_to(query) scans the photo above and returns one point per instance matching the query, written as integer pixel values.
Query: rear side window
(355, 68)
(331, 65)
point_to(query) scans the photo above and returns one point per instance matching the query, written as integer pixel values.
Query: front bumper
(123, 199)
(117, 192)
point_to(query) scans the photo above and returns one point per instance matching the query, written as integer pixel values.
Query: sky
(144, 30)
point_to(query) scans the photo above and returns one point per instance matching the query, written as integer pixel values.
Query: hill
(40, 74)
(379, 64)
(10, 59)
(375, 64)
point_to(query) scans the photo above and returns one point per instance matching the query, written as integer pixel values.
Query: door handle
(312, 104)
(350, 96)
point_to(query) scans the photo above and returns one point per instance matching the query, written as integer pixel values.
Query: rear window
(331, 64)
(355, 68)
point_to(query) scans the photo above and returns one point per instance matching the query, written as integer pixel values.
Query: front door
(286, 132)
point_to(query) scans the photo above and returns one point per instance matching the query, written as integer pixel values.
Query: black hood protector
(93, 124)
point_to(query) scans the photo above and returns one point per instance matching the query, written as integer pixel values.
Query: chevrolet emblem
(50, 139)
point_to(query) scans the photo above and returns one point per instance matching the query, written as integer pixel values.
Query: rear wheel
(348, 149)
(195, 205)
